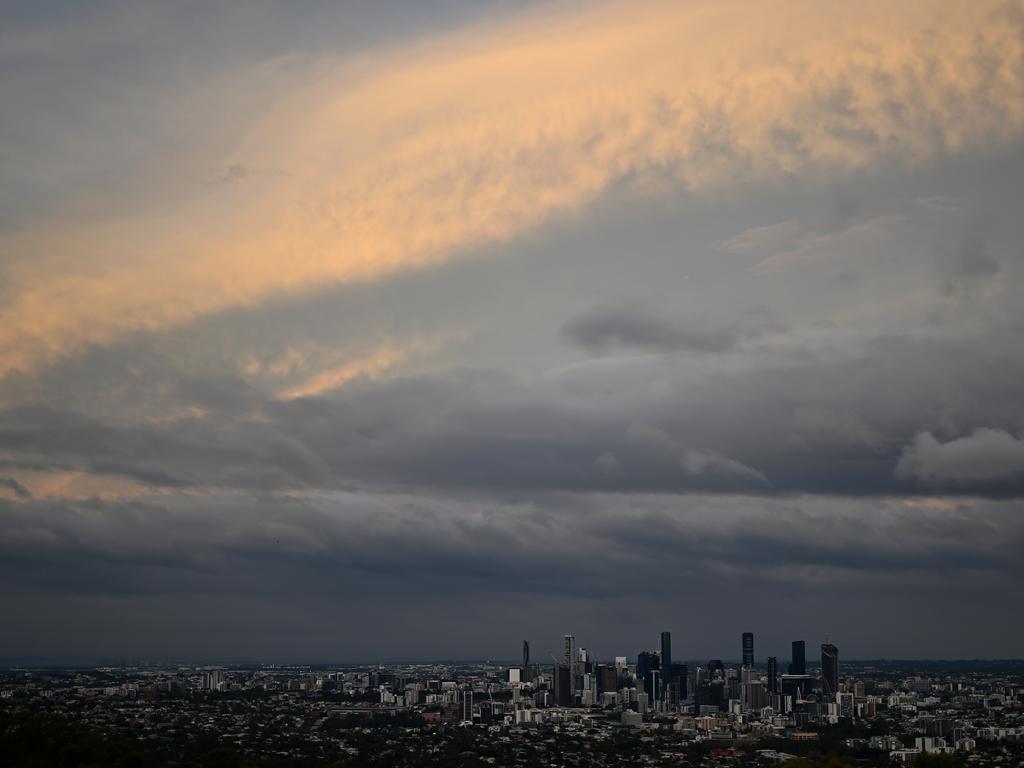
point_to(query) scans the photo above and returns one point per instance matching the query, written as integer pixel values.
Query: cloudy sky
(406, 329)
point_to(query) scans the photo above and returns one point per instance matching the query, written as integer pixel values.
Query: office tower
(526, 658)
(563, 692)
(829, 671)
(607, 679)
(754, 696)
(773, 675)
(748, 649)
(676, 680)
(798, 665)
(213, 679)
(666, 657)
(570, 662)
(646, 663)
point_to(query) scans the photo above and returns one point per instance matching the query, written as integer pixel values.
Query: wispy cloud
(811, 247)
(407, 158)
(379, 362)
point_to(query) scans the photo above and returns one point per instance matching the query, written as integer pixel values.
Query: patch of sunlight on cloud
(407, 158)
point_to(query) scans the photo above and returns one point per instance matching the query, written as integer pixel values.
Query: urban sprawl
(568, 709)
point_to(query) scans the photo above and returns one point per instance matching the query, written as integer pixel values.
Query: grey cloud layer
(779, 420)
(604, 328)
(984, 455)
(793, 403)
(378, 554)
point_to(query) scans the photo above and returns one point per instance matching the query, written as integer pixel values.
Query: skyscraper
(570, 662)
(607, 678)
(677, 678)
(798, 665)
(562, 677)
(646, 664)
(526, 660)
(829, 670)
(666, 656)
(773, 675)
(748, 649)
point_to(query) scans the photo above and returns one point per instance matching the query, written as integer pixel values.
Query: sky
(408, 330)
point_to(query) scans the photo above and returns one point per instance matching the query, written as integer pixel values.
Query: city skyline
(570, 646)
(412, 329)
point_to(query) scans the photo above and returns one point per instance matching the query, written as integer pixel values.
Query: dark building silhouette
(666, 658)
(647, 664)
(748, 649)
(829, 670)
(677, 682)
(798, 665)
(607, 678)
(710, 694)
(716, 669)
(797, 686)
(773, 675)
(563, 691)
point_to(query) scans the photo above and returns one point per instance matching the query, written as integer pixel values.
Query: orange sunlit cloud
(409, 158)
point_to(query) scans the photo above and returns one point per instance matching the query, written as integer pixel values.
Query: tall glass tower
(773, 675)
(570, 662)
(798, 665)
(829, 670)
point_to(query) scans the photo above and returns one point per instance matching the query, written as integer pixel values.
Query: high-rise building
(571, 662)
(646, 663)
(754, 695)
(748, 649)
(773, 675)
(677, 682)
(666, 656)
(526, 658)
(563, 694)
(798, 665)
(607, 678)
(213, 679)
(829, 670)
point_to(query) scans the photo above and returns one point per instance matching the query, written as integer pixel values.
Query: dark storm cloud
(220, 452)
(784, 420)
(316, 559)
(792, 422)
(541, 544)
(604, 328)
